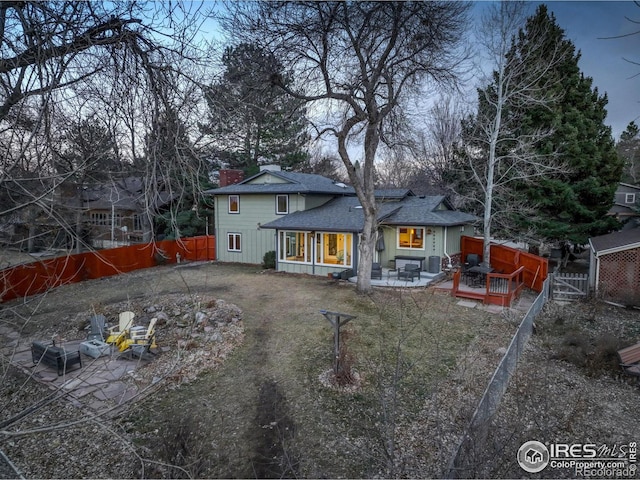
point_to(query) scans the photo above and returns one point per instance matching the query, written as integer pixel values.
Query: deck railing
(499, 289)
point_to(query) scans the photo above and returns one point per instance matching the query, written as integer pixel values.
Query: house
(614, 268)
(626, 203)
(313, 224)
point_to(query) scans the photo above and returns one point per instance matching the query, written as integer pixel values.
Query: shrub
(269, 260)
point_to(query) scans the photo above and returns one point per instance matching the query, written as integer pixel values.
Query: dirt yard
(264, 412)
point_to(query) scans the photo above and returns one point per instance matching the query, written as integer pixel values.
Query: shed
(614, 269)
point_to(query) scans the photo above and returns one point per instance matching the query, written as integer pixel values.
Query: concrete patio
(390, 279)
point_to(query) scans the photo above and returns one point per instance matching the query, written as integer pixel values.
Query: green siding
(322, 271)
(255, 210)
(267, 178)
(314, 201)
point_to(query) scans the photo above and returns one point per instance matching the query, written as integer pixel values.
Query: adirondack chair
(140, 339)
(97, 327)
(118, 333)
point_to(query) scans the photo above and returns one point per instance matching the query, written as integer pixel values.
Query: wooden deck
(499, 288)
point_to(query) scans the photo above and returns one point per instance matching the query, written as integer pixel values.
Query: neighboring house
(313, 224)
(113, 213)
(614, 269)
(626, 203)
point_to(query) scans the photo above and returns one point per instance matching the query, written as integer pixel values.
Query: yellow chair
(117, 334)
(145, 338)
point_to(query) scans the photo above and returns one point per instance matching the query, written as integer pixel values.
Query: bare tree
(496, 157)
(357, 63)
(117, 63)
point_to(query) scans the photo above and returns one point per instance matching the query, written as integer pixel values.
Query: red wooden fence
(38, 277)
(507, 260)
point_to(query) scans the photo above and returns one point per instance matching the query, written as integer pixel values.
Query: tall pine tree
(251, 120)
(573, 204)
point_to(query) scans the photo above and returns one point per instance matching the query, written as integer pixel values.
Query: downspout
(444, 249)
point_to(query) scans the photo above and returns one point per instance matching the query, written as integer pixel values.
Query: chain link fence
(463, 464)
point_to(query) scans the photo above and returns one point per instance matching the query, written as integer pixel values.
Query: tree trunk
(365, 253)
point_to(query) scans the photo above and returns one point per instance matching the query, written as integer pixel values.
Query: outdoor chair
(376, 271)
(97, 328)
(409, 272)
(140, 338)
(117, 333)
(472, 260)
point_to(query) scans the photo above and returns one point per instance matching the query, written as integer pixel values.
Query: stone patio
(101, 383)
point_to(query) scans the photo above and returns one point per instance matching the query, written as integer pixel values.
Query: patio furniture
(97, 328)
(376, 271)
(472, 260)
(402, 260)
(56, 357)
(409, 272)
(117, 333)
(630, 360)
(477, 276)
(140, 339)
(95, 348)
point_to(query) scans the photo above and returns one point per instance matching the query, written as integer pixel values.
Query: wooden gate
(569, 286)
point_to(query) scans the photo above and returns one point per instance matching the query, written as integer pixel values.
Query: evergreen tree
(572, 205)
(629, 150)
(251, 119)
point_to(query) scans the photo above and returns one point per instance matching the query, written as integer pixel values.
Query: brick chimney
(230, 177)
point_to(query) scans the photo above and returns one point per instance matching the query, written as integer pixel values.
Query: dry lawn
(264, 412)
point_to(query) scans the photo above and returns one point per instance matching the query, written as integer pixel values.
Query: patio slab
(390, 279)
(98, 384)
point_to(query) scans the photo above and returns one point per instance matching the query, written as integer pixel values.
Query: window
(630, 198)
(138, 220)
(411, 238)
(233, 242)
(234, 203)
(334, 248)
(104, 219)
(295, 247)
(282, 204)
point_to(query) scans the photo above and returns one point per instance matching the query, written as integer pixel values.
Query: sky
(587, 24)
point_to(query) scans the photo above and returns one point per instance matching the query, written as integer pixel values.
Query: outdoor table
(479, 271)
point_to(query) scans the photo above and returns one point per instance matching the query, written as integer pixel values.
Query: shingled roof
(345, 214)
(617, 241)
(294, 182)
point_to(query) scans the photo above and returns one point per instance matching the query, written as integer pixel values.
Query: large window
(334, 249)
(234, 203)
(412, 238)
(295, 247)
(234, 242)
(630, 198)
(282, 204)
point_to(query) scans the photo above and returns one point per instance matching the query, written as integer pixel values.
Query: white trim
(237, 236)
(412, 249)
(622, 248)
(286, 211)
(229, 204)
